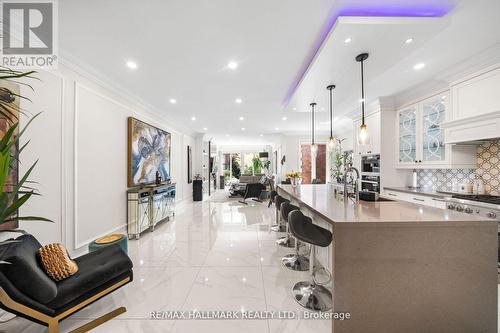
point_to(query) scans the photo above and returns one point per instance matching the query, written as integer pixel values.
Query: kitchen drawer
(439, 203)
(415, 198)
(421, 200)
(396, 195)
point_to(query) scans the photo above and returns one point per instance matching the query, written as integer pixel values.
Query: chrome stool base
(278, 228)
(312, 297)
(286, 241)
(295, 262)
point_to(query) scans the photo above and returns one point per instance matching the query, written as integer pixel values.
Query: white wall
(81, 143)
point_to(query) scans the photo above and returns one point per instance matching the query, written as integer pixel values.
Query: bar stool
(272, 197)
(295, 261)
(288, 240)
(279, 227)
(311, 294)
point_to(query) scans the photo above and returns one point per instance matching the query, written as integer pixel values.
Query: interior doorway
(306, 165)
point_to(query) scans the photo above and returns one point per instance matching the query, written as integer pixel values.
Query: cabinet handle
(394, 195)
(419, 161)
(417, 199)
(440, 200)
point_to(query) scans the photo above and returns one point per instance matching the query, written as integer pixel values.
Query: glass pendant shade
(314, 148)
(363, 135)
(332, 143)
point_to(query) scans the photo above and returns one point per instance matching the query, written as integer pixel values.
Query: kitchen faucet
(348, 168)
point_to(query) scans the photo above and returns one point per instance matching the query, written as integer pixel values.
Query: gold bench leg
(98, 321)
(53, 326)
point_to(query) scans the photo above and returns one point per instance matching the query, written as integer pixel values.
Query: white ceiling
(182, 49)
(442, 44)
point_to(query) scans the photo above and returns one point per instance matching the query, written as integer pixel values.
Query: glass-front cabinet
(420, 135)
(407, 122)
(433, 115)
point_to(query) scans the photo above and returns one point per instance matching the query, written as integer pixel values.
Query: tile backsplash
(488, 168)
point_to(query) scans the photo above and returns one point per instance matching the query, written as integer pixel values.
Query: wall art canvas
(149, 151)
(9, 93)
(190, 164)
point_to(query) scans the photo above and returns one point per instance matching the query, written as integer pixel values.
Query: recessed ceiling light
(193, 118)
(131, 64)
(348, 40)
(227, 134)
(284, 118)
(294, 109)
(205, 129)
(243, 128)
(173, 101)
(261, 135)
(238, 101)
(242, 118)
(277, 128)
(443, 97)
(419, 66)
(409, 40)
(232, 65)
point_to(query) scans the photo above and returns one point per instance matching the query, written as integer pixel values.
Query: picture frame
(149, 152)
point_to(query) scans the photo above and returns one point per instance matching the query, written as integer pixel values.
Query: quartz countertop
(421, 191)
(323, 200)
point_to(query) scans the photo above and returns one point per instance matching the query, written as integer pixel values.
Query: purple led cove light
(382, 8)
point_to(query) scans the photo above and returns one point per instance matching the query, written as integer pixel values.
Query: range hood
(472, 130)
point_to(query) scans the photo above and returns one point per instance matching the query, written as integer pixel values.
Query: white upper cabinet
(476, 96)
(421, 137)
(407, 135)
(475, 108)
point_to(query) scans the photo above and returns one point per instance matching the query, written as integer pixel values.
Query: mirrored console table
(147, 206)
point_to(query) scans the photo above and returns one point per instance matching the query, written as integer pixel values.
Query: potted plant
(294, 177)
(13, 195)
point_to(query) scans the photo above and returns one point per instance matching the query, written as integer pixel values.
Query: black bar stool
(311, 294)
(288, 240)
(279, 227)
(272, 197)
(295, 261)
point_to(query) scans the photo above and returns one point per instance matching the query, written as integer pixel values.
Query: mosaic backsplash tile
(488, 168)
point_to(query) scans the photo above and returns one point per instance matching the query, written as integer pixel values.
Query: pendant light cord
(312, 122)
(331, 113)
(362, 94)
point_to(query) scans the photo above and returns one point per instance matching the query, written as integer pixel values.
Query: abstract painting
(149, 150)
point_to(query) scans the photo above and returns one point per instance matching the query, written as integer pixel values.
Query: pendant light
(314, 147)
(331, 142)
(363, 136)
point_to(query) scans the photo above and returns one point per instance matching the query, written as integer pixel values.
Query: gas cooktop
(493, 199)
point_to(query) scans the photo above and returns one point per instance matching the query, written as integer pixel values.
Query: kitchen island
(402, 267)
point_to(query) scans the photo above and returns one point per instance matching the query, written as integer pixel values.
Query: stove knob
(491, 215)
(460, 208)
(451, 206)
(468, 210)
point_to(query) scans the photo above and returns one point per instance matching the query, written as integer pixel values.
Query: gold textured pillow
(56, 262)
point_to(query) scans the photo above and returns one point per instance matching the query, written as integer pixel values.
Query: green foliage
(7, 110)
(13, 196)
(235, 166)
(256, 164)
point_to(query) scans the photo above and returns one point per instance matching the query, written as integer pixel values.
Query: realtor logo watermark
(29, 34)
